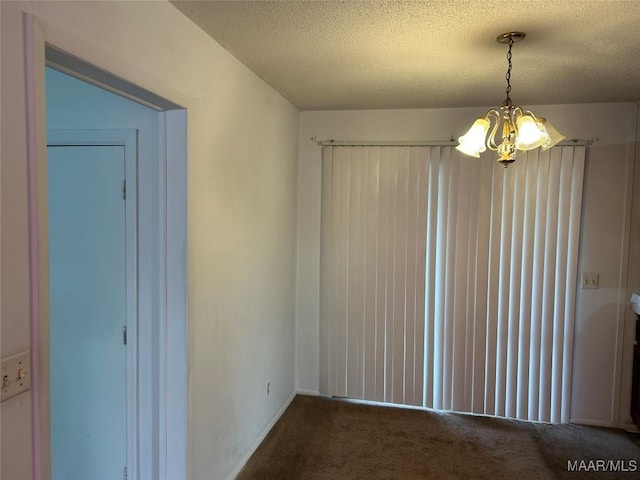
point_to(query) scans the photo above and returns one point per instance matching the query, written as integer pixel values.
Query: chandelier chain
(507, 101)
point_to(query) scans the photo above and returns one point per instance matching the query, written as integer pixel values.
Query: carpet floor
(320, 439)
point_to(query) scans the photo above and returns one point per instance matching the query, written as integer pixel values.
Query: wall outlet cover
(590, 280)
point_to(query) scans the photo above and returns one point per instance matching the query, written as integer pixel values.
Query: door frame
(128, 139)
(81, 58)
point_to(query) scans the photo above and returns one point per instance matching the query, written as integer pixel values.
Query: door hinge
(124, 473)
(124, 189)
(124, 334)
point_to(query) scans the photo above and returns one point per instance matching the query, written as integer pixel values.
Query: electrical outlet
(16, 375)
(268, 387)
(590, 280)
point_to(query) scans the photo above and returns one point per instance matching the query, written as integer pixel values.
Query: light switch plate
(15, 377)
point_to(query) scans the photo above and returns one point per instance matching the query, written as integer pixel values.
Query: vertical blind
(373, 272)
(449, 282)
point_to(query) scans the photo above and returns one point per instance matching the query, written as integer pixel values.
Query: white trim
(265, 431)
(630, 427)
(623, 345)
(66, 63)
(38, 244)
(126, 138)
(312, 393)
(173, 329)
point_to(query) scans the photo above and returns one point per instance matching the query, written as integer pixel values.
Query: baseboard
(630, 427)
(245, 458)
(313, 393)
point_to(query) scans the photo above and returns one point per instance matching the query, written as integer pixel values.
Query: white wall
(242, 150)
(600, 313)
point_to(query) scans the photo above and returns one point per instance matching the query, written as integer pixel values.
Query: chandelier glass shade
(508, 129)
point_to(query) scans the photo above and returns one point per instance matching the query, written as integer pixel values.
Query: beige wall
(602, 346)
(242, 139)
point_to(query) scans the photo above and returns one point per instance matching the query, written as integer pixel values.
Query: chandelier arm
(514, 113)
(495, 115)
(529, 112)
(517, 111)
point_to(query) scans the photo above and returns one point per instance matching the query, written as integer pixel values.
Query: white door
(88, 312)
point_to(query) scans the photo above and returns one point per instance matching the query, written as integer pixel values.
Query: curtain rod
(443, 143)
(351, 143)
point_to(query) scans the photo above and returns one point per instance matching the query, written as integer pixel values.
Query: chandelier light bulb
(473, 142)
(529, 135)
(552, 136)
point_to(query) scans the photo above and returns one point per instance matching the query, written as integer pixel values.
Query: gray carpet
(321, 439)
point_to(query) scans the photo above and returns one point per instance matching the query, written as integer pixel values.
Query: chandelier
(520, 129)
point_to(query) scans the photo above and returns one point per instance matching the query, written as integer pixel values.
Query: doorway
(147, 418)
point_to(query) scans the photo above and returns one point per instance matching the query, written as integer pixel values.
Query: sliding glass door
(449, 282)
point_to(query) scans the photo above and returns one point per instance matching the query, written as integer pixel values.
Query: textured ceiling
(325, 55)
